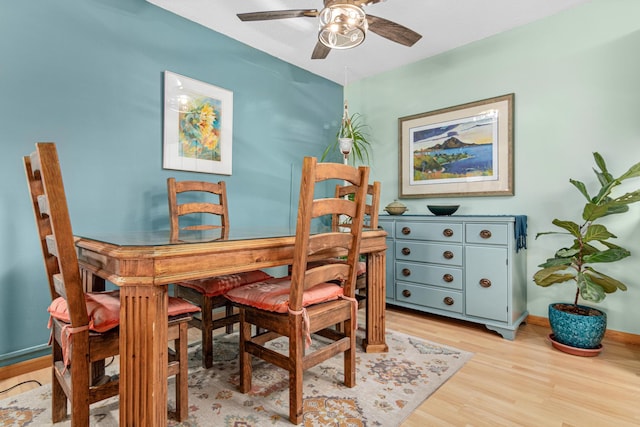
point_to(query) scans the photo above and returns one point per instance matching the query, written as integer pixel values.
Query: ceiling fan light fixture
(342, 26)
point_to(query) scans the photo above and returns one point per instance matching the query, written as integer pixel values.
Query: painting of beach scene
(463, 149)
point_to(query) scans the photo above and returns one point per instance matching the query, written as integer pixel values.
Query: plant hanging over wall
(351, 126)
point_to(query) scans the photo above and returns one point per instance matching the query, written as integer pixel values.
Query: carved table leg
(376, 300)
(143, 355)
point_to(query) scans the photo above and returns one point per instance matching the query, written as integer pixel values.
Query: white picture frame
(198, 126)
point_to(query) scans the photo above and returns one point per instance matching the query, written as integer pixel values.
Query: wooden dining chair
(84, 321)
(207, 209)
(372, 208)
(308, 302)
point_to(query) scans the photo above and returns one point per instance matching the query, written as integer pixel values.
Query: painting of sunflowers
(200, 129)
(198, 124)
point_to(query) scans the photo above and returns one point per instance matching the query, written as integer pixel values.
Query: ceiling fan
(343, 25)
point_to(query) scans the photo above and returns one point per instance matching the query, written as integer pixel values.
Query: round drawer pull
(447, 232)
(447, 278)
(485, 234)
(406, 251)
(447, 254)
(448, 301)
(485, 283)
(406, 272)
(406, 293)
(406, 230)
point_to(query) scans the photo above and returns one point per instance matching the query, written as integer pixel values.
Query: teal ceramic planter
(576, 330)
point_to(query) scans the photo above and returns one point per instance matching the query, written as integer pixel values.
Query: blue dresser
(465, 267)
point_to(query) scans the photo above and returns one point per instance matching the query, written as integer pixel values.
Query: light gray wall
(88, 75)
(576, 82)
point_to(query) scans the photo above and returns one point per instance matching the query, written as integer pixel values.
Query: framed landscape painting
(198, 126)
(466, 150)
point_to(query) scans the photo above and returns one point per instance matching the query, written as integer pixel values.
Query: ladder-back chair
(372, 208)
(79, 315)
(207, 209)
(309, 301)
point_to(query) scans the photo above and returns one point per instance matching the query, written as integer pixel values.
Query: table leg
(143, 356)
(376, 302)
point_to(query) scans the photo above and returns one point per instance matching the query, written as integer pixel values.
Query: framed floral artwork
(198, 126)
(465, 150)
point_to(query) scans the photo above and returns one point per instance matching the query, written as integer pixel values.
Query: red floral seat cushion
(273, 294)
(219, 285)
(103, 309)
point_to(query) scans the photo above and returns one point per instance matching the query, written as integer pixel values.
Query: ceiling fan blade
(278, 14)
(392, 30)
(320, 51)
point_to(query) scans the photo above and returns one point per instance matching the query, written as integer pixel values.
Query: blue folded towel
(521, 232)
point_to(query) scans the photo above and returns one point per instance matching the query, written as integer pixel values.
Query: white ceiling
(444, 25)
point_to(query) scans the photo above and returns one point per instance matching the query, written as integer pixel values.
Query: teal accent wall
(576, 79)
(88, 75)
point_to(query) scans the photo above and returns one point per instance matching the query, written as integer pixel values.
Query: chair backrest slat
(342, 239)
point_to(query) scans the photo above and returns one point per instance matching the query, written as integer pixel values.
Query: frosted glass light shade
(342, 26)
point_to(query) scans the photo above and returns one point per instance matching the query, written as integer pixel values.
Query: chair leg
(228, 312)
(59, 401)
(182, 385)
(207, 332)
(245, 358)
(79, 392)
(350, 356)
(296, 354)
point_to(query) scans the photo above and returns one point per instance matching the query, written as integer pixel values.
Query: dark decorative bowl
(443, 209)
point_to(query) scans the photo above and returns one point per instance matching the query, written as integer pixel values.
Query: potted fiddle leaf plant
(579, 329)
(351, 138)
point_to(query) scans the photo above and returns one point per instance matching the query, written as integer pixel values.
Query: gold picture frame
(465, 150)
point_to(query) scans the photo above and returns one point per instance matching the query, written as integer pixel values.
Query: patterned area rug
(389, 386)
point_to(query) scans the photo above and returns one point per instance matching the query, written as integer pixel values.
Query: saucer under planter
(585, 352)
(581, 327)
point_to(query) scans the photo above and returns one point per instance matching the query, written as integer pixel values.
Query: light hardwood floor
(511, 383)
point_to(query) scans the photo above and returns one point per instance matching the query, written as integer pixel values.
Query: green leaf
(581, 187)
(609, 284)
(610, 255)
(549, 276)
(567, 253)
(604, 192)
(589, 291)
(611, 245)
(592, 211)
(550, 232)
(552, 262)
(596, 232)
(634, 171)
(600, 162)
(616, 208)
(570, 226)
(628, 198)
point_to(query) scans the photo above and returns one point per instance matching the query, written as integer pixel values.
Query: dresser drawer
(489, 234)
(440, 232)
(429, 274)
(428, 252)
(442, 299)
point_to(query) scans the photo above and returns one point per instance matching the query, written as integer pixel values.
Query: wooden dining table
(143, 264)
